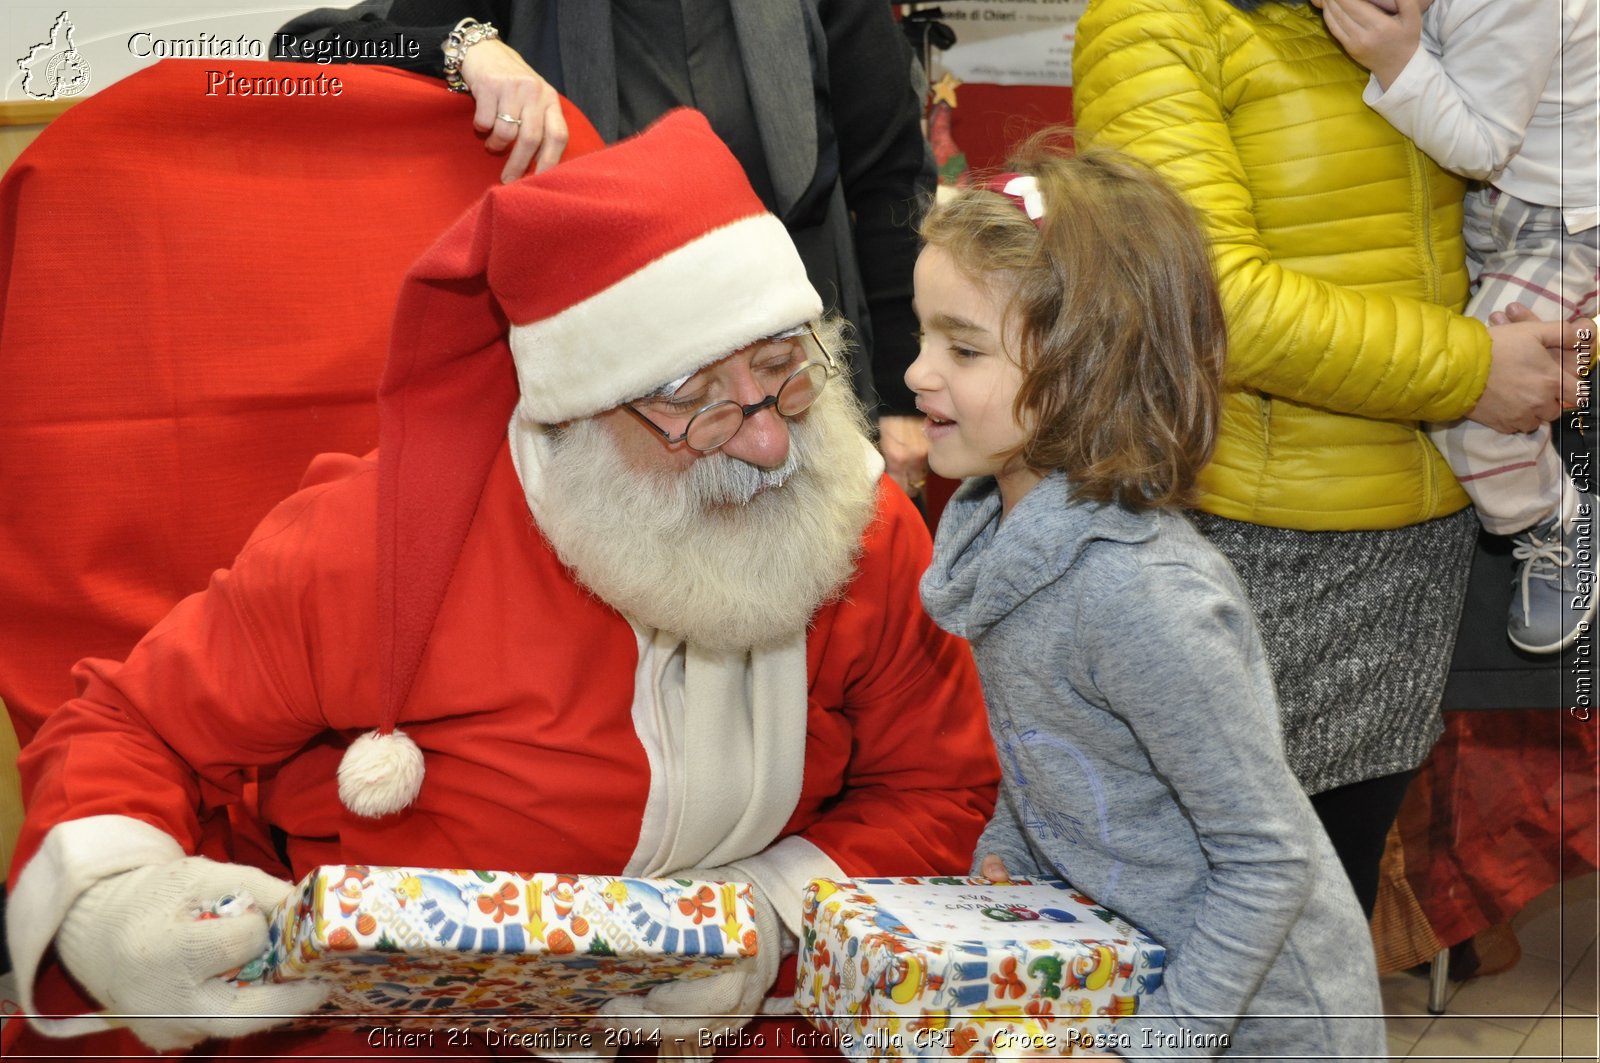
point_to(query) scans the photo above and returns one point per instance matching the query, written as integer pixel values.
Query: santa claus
(623, 591)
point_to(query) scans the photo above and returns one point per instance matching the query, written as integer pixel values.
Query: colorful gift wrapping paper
(942, 967)
(408, 945)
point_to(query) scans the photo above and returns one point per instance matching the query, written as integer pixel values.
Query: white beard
(725, 554)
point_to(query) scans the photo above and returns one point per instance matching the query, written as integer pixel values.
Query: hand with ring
(1577, 348)
(516, 108)
(905, 452)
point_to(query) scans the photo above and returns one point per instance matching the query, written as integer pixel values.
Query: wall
(102, 30)
(112, 41)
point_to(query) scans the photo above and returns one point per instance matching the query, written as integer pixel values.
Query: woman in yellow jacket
(1340, 262)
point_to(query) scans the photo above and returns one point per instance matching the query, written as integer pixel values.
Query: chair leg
(1438, 981)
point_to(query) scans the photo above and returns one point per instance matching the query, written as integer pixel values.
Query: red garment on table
(197, 293)
(1503, 809)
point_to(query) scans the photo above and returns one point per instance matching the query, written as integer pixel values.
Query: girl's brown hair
(1114, 315)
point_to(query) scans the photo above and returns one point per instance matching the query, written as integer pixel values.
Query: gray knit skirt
(1359, 628)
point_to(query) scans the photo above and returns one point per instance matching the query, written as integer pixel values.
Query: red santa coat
(521, 705)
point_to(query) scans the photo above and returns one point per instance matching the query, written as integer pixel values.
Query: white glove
(133, 940)
(693, 1015)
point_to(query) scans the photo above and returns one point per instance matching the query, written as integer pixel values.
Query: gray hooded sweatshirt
(1137, 725)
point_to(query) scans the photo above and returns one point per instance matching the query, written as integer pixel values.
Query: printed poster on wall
(1010, 42)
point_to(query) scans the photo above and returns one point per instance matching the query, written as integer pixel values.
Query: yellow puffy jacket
(1338, 253)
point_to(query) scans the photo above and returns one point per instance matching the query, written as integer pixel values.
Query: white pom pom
(380, 774)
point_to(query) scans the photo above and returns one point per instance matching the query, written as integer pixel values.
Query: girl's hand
(1382, 42)
(502, 84)
(994, 869)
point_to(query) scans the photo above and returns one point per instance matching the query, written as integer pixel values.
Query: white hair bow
(1024, 189)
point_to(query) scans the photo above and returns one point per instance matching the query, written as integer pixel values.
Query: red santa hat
(571, 292)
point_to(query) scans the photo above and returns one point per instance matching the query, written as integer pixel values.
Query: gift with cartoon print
(426, 946)
(934, 967)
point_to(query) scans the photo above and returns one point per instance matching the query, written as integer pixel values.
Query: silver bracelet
(468, 31)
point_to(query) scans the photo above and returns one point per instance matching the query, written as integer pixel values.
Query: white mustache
(719, 479)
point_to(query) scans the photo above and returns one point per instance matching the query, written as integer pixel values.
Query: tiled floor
(1543, 1008)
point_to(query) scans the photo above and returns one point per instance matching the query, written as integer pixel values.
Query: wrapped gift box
(404, 945)
(941, 967)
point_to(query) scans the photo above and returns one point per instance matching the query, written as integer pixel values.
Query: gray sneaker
(1552, 597)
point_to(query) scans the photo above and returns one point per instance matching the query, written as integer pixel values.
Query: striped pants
(1519, 252)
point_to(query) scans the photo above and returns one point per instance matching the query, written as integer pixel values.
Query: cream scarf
(725, 733)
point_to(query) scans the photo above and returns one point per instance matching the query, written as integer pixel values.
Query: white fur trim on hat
(697, 303)
(380, 774)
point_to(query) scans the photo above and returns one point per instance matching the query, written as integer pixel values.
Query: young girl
(1072, 347)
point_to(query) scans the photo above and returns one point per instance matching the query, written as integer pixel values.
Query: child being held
(1503, 91)
(1072, 351)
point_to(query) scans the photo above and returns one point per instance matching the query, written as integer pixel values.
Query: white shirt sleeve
(1470, 89)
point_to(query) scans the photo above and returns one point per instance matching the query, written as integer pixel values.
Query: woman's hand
(1577, 347)
(1532, 374)
(905, 451)
(515, 106)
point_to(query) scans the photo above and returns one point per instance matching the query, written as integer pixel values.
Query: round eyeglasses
(712, 425)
